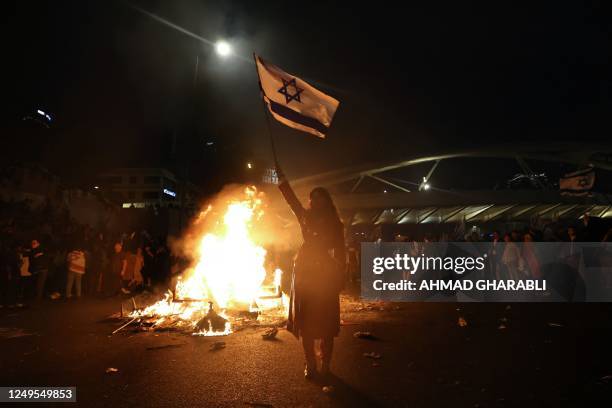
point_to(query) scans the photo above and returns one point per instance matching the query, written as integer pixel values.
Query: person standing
(97, 266)
(39, 267)
(115, 271)
(494, 256)
(318, 275)
(511, 258)
(138, 280)
(128, 274)
(161, 267)
(148, 264)
(531, 257)
(24, 290)
(76, 270)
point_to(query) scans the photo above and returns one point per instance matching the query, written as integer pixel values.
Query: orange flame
(228, 269)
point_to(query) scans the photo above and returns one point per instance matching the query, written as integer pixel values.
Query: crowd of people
(575, 259)
(45, 254)
(516, 253)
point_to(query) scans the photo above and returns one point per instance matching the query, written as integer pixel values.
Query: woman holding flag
(318, 275)
(319, 267)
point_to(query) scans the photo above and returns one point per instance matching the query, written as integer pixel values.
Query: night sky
(424, 78)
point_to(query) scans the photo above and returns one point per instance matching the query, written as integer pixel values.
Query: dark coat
(318, 272)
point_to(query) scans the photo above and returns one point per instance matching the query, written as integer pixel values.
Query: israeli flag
(293, 102)
(579, 183)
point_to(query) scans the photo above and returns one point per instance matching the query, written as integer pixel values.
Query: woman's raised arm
(290, 196)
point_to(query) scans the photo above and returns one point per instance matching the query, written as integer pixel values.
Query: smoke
(266, 227)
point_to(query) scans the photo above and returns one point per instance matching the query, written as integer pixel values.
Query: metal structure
(417, 203)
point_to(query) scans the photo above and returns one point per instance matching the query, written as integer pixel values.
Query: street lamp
(223, 48)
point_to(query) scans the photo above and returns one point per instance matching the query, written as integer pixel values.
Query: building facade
(147, 187)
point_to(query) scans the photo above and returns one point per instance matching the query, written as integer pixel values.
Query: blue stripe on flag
(296, 117)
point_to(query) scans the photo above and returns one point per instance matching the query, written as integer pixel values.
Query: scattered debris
(552, 324)
(201, 322)
(270, 334)
(364, 335)
(166, 346)
(14, 332)
(372, 355)
(462, 322)
(212, 321)
(27, 353)
(606, 379)
(112, 370)
(217, 345)
(247, 314)
(328, 389)
(125, 325)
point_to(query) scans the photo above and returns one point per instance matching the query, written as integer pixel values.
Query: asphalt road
(547, 355)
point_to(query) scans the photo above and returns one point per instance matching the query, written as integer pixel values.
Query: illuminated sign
(270, 176)
(133, 205)
(169, 192)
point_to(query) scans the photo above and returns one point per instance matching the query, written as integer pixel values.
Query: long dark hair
(330, 210)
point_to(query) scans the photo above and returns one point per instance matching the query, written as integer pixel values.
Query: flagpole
(266, 114)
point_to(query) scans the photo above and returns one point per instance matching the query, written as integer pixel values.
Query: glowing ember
(227, 270)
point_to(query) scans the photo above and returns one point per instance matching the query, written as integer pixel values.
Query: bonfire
(224, 285)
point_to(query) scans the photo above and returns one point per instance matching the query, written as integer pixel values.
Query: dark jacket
(39, 260)
(318, 272)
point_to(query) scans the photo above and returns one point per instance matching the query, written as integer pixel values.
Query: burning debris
(224, 288)
(212, 322)
(270, 334)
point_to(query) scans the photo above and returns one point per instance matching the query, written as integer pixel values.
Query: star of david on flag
(293, 102)
(578, 183)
